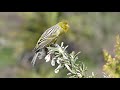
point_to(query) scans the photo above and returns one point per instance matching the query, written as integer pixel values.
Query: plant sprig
(58, 54)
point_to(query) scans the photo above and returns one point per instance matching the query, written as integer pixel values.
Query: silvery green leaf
(53, 49)
(72, 54)
(50, 51)
(60, 50)
(76, 58)
(73, 76)
(53, 62)
(69, 74)
(79, 75)
(57, 55)
(47, 58)
(56, 71)
(82, 66)
(62, 44)
(59, 67)
(93, 74)
(85, 68)
(58, 61)
(65, 47)
(65, 57)
(77, 54)
(77, 70)
(59, 58)
(68, 67)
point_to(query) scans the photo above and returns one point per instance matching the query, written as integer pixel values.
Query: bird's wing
(47, 37)
(45, 42)
(50, 31)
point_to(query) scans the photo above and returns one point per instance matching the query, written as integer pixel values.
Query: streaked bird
(49, 37)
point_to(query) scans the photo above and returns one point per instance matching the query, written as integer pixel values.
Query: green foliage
(5, 60)
(112, 66)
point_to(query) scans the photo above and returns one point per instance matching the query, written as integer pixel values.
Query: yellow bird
(50, 37)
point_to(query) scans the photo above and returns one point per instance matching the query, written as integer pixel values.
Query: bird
(48, 38)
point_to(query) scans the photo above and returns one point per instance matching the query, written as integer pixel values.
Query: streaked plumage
(47, 37)
(51, 35)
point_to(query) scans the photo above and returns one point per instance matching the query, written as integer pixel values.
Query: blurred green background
(90, 33)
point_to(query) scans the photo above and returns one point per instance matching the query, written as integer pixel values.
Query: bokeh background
(90, 33)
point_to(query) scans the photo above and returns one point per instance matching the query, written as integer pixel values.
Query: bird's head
(64, 25)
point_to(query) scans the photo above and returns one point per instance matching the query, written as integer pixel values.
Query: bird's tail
(40, 54)
(34, 59)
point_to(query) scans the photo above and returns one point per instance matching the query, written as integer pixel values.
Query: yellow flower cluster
(112, 66)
